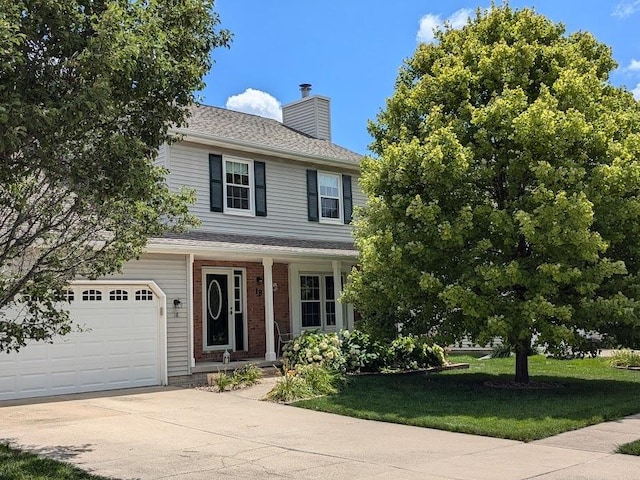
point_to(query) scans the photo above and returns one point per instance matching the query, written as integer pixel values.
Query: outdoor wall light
(177, 303)
(275, 287)
(259, 280)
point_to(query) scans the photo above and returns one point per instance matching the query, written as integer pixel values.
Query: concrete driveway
(163, 433)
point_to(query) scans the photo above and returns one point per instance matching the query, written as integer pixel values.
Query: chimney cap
(305, 88)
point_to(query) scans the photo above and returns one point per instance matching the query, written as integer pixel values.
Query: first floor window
(311, 302)
(318, 300)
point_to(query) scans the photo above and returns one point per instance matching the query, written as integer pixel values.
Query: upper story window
(237, 186)
(329, 189)
(329, 197)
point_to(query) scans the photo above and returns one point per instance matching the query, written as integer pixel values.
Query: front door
(218, 309)
(223, 309)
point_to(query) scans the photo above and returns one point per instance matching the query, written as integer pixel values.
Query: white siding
(170, 273)
(286, 197)
(161, 160)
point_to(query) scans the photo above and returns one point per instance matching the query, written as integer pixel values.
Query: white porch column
(270, 353)
(337, 290)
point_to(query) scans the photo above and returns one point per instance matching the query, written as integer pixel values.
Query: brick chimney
(311, 114)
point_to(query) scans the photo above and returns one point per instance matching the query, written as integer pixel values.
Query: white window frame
(250, 212)
(323, 300)
(340, 199)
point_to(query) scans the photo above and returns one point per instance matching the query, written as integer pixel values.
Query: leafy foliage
(354, 351)
(361, 353)
(88, 91)
(290, 387)
(313, 347)
(411, 353)
(625, 358)
(504, 197)
(315, 362)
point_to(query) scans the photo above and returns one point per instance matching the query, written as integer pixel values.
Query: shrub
(412, 353)
(501, 351)
(312, 347)
(247, 375)
(290, 387)
(320, 380)
(361, 354)
(223, 381)
(625, 358)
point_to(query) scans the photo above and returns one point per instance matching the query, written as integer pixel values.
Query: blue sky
(350, 50)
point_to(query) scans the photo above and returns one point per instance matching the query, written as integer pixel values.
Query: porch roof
(243, 246)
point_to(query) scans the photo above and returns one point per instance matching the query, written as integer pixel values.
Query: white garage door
(120, 346)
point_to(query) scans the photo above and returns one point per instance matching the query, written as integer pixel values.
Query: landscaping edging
(420, 371)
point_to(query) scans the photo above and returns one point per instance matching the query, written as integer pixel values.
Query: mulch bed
(420, 371)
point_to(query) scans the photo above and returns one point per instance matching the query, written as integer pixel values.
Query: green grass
(459, 401)
(631, 448)
(19, 465)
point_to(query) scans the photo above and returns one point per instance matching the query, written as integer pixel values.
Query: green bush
(313, 347)
(320, 380)
(247, 375)
(223, 381)
(290, 387)
(501, 351)
(361, 354)
(625, 358)
(411, 353)
(355, 351)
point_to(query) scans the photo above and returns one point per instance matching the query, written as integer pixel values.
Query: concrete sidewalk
(163, 433)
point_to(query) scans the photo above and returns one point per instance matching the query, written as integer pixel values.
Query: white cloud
(255, 102)
(636, 92)
(626, 8)
(431, 22)
(634, 66)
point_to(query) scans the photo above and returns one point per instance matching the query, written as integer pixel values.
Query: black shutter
(215, 179)
(261, 188)
(346, 197)
(312, 195)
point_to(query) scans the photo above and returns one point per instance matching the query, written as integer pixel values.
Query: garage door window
(91, 296)
(69, 296)
(143, 295)
(118, 295)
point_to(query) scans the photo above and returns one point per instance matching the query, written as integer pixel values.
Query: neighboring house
(276, 201)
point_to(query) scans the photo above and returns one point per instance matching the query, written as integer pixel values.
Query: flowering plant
(361, 354)
(313, 347)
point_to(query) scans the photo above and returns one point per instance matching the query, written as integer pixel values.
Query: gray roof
(232, 246)
(263, 133)
(260, 240)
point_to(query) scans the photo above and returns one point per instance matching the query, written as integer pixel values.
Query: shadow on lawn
(56, 452)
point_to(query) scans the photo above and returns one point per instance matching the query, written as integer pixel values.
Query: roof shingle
(263, 132)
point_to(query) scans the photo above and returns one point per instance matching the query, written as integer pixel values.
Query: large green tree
(504, 197)
(88, 91)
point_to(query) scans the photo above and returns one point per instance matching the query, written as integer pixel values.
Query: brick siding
(255, 313)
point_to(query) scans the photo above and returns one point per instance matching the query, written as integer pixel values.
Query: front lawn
(19, 465)
(590, 392)
(631, 448)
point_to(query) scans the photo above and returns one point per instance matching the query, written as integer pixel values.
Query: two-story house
(272, 253)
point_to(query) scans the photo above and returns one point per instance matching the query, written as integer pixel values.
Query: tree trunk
(522, 361)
